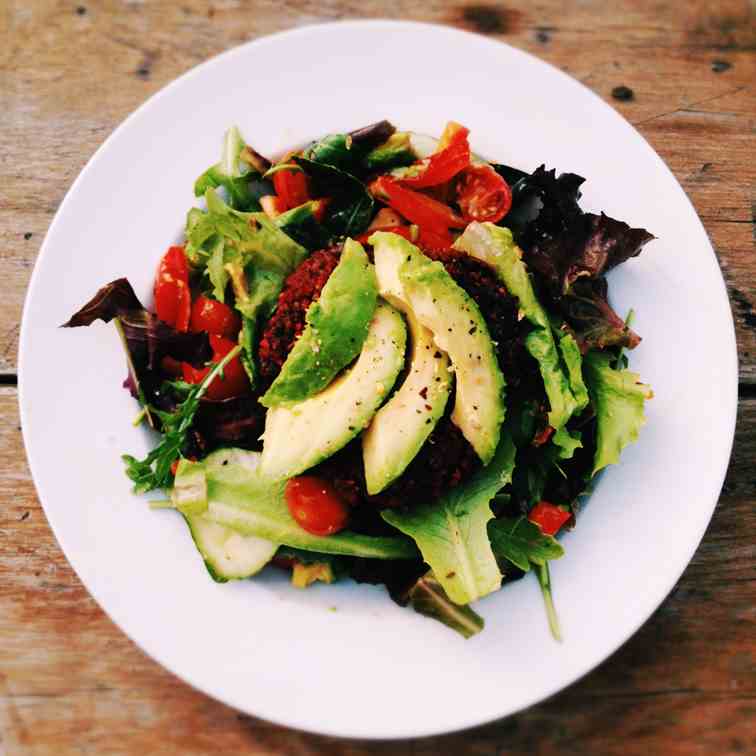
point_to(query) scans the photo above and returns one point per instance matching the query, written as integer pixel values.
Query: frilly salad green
(382, 358)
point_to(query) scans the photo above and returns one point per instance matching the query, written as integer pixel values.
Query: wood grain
(70, 682)
(692, 73)
(70, 71)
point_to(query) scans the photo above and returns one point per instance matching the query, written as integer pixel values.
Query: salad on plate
(382, 357)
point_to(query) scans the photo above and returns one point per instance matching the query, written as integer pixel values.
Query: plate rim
(220, 59)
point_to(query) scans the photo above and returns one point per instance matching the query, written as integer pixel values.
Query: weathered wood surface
(70, 72)
(70, 682)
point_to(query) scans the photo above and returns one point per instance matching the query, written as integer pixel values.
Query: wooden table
(70, 682)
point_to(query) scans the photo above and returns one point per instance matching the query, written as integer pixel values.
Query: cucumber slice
(228, 555)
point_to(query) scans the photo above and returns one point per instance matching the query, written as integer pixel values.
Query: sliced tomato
(451, 157)
(316, 505)
(173, 298)
(482, 194)
(291, 188)
(549, 517)
(432, 241)
(233, 381)
(215, 317)
(417, 208)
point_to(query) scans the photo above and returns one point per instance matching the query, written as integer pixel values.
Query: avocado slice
(302, 435)
(460, 330)
(402, 425)
(494, 246)
(337, 325)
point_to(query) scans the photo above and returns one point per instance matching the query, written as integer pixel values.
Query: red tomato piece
(291, 188)
(483, 195)
(233, 382)
(434, 242)
(173, 298)
(316, 505)
(549, 517)
(451, 157)
(417, 208)
(214, 317)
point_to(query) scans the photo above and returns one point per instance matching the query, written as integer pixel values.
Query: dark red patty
(446, 459)
(301, 288)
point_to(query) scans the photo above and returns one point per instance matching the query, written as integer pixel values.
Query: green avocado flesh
(494, 246)
(403, 424)
(301, 435)
(460, 330)
(337, 325)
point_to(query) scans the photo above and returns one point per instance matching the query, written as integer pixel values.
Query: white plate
(344, 659)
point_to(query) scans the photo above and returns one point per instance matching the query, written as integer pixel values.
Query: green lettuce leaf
(427, 597)
(239, 497)
(451, 532)
(495, 247)
(522, 542)
(231, 174)
(250, 251)
(618, 397)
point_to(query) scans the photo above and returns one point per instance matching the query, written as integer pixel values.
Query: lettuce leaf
(250, 251)
(495, 246)
(351, 207)
(241, 498)
(596, 324)
(427, 597)
(451, 532)
(522, 542)
(618, 397)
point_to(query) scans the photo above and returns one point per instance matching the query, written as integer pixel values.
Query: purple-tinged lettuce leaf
(147, 338)
(590, 246)
(595, 323)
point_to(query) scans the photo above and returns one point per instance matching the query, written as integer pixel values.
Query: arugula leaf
(544, 581)
(618, 396)
(351, 206)
(427, 597)
(451, 531)
(154, 471)
(522, 542)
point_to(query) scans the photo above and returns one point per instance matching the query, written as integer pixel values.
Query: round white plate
(343, 659)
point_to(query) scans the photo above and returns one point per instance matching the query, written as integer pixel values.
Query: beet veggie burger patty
(301, 288)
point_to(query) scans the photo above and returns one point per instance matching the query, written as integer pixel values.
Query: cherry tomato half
(291, 188)
(452, 156)
(482, 194)
(233, 382)
(214, 317)
(173, 298)
(549, 517)
(316, 506)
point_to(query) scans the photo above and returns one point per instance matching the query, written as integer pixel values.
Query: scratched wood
(70, 682)
(691, 67)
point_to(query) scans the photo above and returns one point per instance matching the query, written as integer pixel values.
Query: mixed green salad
(382, 358)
